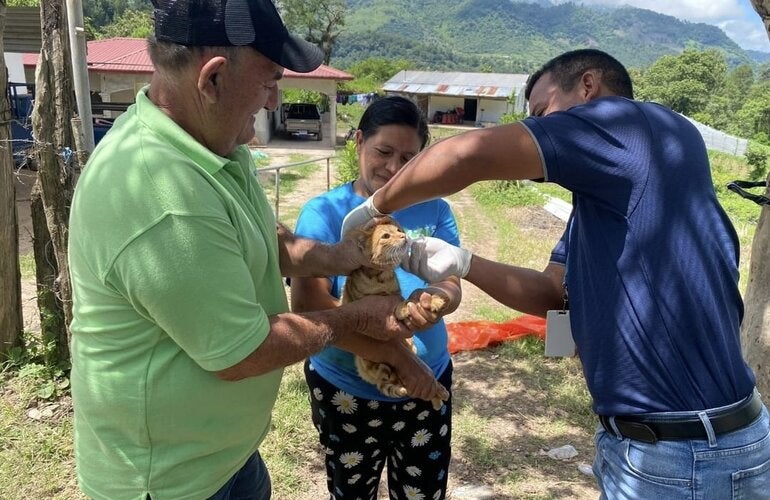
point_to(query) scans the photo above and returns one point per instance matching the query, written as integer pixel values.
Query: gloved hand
(360, 215)
(434, 260)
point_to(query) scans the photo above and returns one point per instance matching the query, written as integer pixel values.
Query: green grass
(478, 447)
(292, 439)
(553, 406)
(27, 265)
(36, 457)
(289, 177)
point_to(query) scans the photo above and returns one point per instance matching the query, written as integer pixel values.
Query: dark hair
(393, 110)
(566, 70)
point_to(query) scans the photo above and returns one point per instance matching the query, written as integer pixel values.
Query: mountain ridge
(512, 36)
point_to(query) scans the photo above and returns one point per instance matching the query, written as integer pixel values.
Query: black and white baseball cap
(223, 23)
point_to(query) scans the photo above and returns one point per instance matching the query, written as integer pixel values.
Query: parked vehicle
(21, 100)
(20, 97)
(302, 119)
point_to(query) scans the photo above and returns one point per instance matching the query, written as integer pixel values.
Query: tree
(755, 331)
(131, 23)
(320, 21)
(51, 125)
(11, 322)
(685, 82)
(105, 12)
(753, 116)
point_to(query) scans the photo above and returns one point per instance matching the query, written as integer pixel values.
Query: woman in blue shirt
(359, 428)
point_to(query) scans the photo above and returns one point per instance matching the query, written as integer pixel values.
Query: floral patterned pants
(360, 435)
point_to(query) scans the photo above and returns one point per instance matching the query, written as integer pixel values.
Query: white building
(482, 97)
(119, 67)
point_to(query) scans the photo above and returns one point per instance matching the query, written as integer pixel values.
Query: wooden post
(51, 126)
(53, 330)
(11, 321)
(755, 330)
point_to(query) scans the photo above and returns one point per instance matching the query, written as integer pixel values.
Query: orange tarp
(469, 335)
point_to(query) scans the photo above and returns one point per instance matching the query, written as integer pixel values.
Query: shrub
(511, 117)
(347, 163)
(757, 156)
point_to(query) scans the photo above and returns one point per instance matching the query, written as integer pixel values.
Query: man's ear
(210, 78)
(590, 83)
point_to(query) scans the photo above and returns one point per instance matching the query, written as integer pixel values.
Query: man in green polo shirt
(181, 325)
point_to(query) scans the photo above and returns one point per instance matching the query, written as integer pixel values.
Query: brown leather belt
(649, 428)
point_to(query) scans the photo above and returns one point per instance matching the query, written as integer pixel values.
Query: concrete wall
(488, 111)
(16, 73)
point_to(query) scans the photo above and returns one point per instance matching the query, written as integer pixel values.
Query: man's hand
(360, 215)
(350, 254)
(435, 260)
(415, 375)
(375, 317)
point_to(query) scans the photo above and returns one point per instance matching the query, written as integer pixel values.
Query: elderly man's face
(252, 85)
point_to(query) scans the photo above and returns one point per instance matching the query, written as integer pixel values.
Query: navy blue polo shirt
(651, 258)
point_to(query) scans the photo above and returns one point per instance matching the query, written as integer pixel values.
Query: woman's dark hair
(393, 110)
(566, 70)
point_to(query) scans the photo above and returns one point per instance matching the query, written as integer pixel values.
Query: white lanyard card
(558, 335)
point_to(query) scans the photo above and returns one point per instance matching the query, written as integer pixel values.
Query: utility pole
(77, 36)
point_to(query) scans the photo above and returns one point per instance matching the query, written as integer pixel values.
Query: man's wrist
(468, 259)
(377, 207)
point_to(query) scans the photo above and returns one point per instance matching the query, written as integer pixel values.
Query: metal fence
(720, 141)
(278, 169)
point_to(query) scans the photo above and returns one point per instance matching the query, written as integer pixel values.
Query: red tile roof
(129, 55)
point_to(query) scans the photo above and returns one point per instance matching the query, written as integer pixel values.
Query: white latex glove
(435, 260)
(360, 215)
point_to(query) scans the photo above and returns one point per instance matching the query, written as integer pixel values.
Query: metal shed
(481, 97)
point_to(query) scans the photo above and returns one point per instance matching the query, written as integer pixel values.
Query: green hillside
(508, 36)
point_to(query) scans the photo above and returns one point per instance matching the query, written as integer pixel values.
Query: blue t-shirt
(651, 258)
(321, 219)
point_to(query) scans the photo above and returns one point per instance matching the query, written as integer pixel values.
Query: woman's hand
(426, 306)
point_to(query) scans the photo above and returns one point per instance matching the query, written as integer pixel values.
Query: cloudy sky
(737, 18)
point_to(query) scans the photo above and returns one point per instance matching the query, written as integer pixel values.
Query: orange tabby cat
(385, 244)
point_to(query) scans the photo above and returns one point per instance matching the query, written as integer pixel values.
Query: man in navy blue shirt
(649, 261)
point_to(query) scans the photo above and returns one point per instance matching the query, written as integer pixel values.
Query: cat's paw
(402, 310)
(438, 302)
(442, 394)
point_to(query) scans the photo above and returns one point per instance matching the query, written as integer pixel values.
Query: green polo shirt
(174, 264)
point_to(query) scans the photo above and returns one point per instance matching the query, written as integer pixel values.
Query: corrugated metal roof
(493, 85)
(130, 55)
(21, 32)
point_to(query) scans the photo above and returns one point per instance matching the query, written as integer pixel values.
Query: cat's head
(384, 242)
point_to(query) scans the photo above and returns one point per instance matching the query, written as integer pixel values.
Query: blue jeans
(251, 482)
(735, 465)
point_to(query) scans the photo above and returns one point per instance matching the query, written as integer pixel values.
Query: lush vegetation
(700, 85)
(505, 36)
